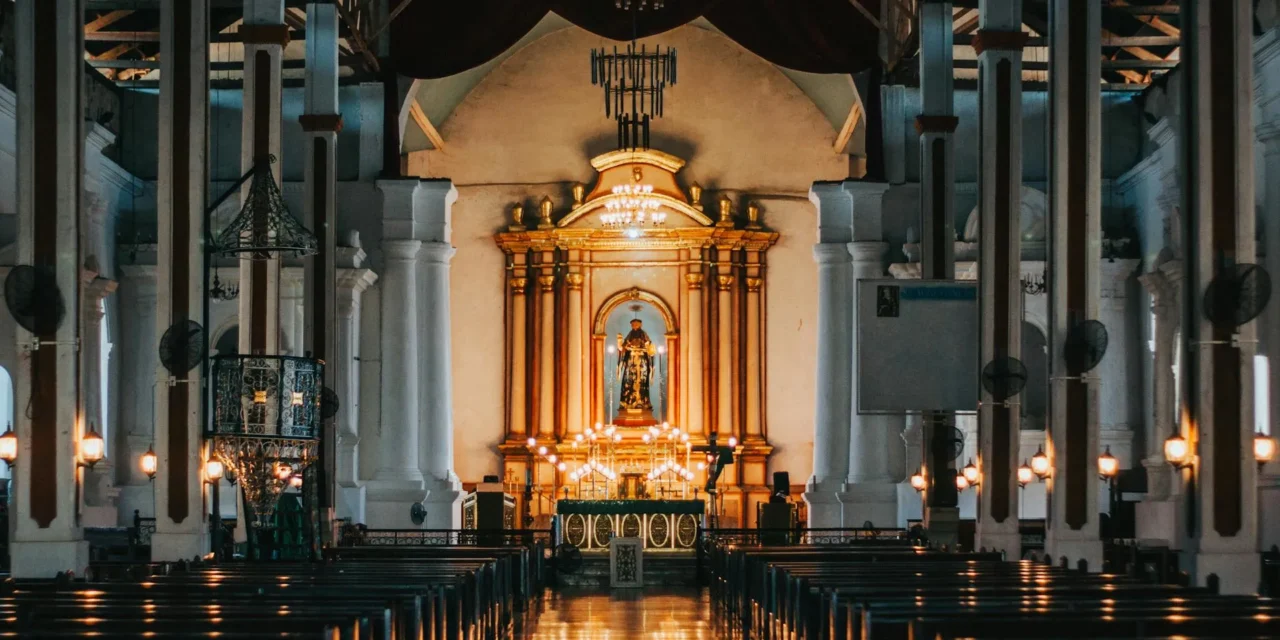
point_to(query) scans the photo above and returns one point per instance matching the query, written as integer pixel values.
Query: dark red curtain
(438, 38)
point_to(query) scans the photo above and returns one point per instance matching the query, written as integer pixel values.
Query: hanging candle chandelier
(633, 81)
(631, 208)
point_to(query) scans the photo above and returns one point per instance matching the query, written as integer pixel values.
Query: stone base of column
(1006, 542)
(388, 504)
(1238, 573)
(1074, 549)
(873, 502)
(444, 509)
(824, 510)
(1157, 513)
(942, 526)
(351, 503)
(172, 547)
(42, 560)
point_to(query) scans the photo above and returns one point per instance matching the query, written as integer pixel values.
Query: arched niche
(629, 295)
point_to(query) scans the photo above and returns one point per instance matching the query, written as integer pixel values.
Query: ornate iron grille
(267, 396)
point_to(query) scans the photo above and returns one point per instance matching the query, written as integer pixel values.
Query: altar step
(660, 570)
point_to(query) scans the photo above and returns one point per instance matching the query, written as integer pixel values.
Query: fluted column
(1218, 233)
(696, 368)
(724, 347)
(45, 529)
(398, 439)
(999, 43)
(518, 425)
(574, 339)
(1075, 220)
(547, 353)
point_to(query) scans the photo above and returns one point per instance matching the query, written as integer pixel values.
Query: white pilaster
(46, 533)
(135, 427)
(344, 370)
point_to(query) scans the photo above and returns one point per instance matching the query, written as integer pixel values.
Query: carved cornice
(591, 239)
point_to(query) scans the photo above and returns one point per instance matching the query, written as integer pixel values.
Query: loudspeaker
(781, 487)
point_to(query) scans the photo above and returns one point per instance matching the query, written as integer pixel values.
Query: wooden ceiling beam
(107, 19)
(428, 129)
(1152, 21)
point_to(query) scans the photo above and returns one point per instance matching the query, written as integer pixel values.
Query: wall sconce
(91, 448)
(1177, 451)
(962, 482)
(918, 481)
(150, 463)
(9, 446)
(733, 442)
(1264, 449)
(295, 481)
(1025, 475)
(1040, 464)
(971, 474)
(1108, 465)
(213, 471)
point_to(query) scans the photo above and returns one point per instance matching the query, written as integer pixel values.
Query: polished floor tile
(651, 614)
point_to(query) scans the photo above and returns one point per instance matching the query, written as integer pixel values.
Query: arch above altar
(569, 271)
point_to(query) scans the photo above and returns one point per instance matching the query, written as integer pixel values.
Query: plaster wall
(530, 128)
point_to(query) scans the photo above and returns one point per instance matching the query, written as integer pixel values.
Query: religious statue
(635, 369)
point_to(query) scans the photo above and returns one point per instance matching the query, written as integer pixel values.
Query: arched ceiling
(429, 103)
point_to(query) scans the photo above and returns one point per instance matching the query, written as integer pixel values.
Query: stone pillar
(518, 424)
(1157, 513)
(999, 43)
(1218, 233)
(575, 356)
(695, 370)
(1120, 399)
(1269, 137)
(724, 345)
(291, 297)
(135, 427)
(398, 481)
(46, 532)
(99, 481)
(343, 370)
(936, 125)
(433, 202)
(834, 379)
(264, 35)
(547, 349)
(181, 531)
(1075, 207)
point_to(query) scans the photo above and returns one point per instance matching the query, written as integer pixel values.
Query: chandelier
(638, 4)
(633, 81)
(631, 208)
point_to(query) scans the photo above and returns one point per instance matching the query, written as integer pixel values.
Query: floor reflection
(666, 614)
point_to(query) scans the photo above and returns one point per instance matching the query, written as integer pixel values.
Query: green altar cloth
(625, 507)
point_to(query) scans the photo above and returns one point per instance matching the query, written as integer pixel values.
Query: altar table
(662, 525)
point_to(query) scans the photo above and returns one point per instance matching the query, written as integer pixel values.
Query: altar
(661, 525)
(634, 318)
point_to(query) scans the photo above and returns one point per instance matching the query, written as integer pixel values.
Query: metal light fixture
(264, 228)
(9, 446)
(92, 447)
(1177, 451)
(971, 473)
(214, 470)
(295, 481)
(1108, 465)
(962, 482)
(1264, 449)
(1040, 464)
(633, 80)
(150, 463)
(1025, 475)
(918, 481)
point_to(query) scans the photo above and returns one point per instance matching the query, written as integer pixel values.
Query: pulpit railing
(801, 536)
(358, 536)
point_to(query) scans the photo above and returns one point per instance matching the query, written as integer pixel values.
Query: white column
(575, 341)
(98, 481)
(1218, 233)
(1075, 203)
(724, 346)
(1269, 137)
(264, 35)
(433, 202)
(834, 379)
(695, 370)
(999, 43)
(290, 301)
(344, 371)
(1157, 513)
(46, 533)
(135, 428)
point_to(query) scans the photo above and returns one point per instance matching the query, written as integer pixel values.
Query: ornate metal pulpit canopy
(264, 227)
(266, 422)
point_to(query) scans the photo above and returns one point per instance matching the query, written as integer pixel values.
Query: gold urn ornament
(695, 196)
(544, 213)
(579, 194)
(753, 216)
(726, 212)
(517, 217)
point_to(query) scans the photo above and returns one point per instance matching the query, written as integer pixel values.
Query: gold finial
(517, 217)
(726, 212)
(544, 214)
(753, 216)
(636, 174)
(579, 193)
(695, 196)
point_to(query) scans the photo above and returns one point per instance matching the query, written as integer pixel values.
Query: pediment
(640, 166)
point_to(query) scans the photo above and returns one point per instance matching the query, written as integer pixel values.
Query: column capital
(575, 281)
(99, 288)
(999, 40)
(863, 252)
(355, 280)
(518, 285)
(436, 252)
(291, 280)
(547, 283)
(831, 253)
(401, 250)
(754, 284)
(724, 283)
(694, 280)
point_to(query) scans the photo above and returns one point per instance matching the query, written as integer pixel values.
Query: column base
(868, 502)
(824, 511)
(1074, 550)
(351, 501)
(1238, 573)
(43, 560)
(942, 525)
(388, 504)
(172, 547)
(1008, 543)
(1157, 522)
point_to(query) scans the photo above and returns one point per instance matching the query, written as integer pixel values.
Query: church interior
(639, 318)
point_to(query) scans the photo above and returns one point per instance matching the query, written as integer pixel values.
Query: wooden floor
(649, 614)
